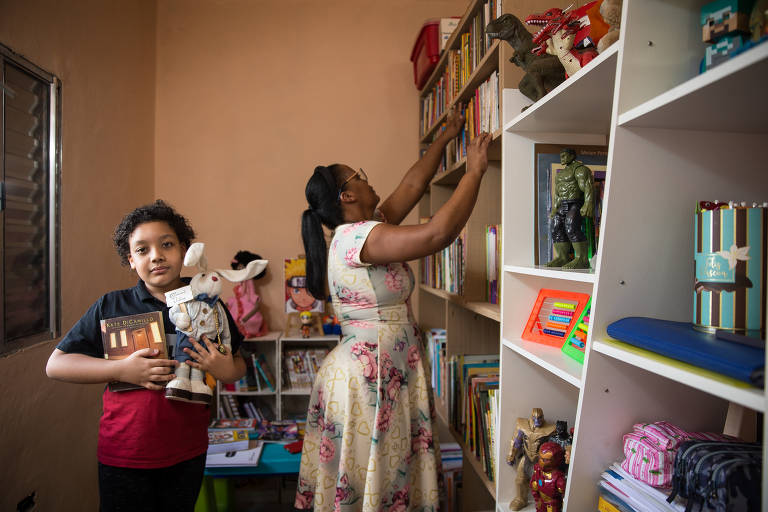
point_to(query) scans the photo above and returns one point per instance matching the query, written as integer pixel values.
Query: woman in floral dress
(369, 443)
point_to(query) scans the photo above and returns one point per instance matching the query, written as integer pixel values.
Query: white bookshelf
(674, 137)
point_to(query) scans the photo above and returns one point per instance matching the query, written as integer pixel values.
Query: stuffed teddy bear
(610, 10)
(204, 315)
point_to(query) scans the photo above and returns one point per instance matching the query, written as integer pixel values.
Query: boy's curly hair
(157, 211)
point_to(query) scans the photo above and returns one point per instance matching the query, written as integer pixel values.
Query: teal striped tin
(730, 256)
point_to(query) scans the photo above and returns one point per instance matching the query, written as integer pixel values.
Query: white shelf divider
(581, 104)
(698, 378)
(697, 103)
(550, 358)
(579, 275)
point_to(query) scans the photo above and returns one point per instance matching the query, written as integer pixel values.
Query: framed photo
(547, 162)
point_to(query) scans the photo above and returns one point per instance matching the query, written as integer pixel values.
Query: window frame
(52, 205)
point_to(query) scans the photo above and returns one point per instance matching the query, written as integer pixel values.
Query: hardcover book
(124, 335)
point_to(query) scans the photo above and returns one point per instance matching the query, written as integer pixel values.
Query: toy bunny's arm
(179, 316)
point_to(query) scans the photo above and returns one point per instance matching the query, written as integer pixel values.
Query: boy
(151, 450)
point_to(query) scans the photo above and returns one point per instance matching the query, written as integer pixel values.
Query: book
(249, 457)
(262, 366)
(229, 424)
(122, 336)
(228, 440)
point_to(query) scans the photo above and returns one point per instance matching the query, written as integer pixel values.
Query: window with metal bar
(29, 178)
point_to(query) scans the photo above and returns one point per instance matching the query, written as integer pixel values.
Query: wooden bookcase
(674, 137)
(284, 402)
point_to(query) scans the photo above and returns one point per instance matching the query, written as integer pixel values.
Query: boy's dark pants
(145, 490)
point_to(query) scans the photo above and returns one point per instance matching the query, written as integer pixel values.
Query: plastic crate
(426, 52)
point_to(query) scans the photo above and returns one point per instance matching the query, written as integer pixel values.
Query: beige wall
(252, 95)
(221, 107)
(104, 53)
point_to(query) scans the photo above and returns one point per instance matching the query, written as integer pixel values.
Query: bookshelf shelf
(297, 392)
(580, 275)
(716, 384)
(696, 103)
(551, 359)
(485, 309)
(581, 103)
(248, 393)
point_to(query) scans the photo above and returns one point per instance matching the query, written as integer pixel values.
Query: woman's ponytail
(316, 252)
(322, 194)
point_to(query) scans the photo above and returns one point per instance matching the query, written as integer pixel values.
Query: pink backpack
(651, 447)
(244, 300)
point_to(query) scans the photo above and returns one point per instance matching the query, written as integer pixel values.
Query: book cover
(230, 424)
(228, 440)
(266, 371)
(249, 457)
(122, 336)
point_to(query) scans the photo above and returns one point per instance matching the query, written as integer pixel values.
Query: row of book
(231, 406)
(470, 393)
(492, 262)
(446, 269)
(301, 367)
(460, 63)
(452, 464)
(258, 377)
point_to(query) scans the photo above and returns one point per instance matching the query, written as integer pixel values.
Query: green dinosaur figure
(542, 72)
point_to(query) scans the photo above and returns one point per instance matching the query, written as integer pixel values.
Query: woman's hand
(139, 368)
(455, 121)
(477, 154)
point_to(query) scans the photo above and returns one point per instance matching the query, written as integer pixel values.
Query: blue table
(216, 491)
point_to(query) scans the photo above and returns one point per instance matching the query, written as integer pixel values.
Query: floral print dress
(369, 443)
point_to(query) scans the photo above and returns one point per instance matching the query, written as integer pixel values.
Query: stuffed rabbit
(202, 316)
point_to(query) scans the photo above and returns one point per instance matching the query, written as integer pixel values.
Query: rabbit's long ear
(252, 269)
(196, 256)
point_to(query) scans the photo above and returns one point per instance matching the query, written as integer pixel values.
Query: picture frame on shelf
(547, 165)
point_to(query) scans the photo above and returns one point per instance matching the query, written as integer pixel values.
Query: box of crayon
(730, 256)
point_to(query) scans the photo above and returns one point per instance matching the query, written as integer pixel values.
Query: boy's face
(157, 256)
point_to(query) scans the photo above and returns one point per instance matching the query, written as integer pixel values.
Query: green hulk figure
(574, 199)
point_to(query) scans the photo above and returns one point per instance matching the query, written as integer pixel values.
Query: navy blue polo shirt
(85, 336)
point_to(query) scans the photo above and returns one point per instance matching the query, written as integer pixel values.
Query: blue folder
(679, 340)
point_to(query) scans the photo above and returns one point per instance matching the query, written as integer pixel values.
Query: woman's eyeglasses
(359, 174)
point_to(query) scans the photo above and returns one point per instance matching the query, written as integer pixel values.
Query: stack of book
(452, 460)
(620, 491)
(445, 270)
(301, 367)
(231, 406)
(472, 403)
(436, 340)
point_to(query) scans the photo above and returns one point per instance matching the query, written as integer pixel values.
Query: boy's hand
(207, 357)
(139, 368)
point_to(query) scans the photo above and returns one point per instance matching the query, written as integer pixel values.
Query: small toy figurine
(758, 20)
(610, 10)
(331, 325)
(724, 18)
(203, 315)
(548, 480)
(564, 439)
(531, 433)
(569, 36)
(542, 72)
(245, 304)
(306, 323)
(573, 199)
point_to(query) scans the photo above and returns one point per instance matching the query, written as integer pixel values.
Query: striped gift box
(730, 255)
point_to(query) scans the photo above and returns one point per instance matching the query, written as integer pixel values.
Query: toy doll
(548, 480)
(245, 304)
(306, 323)
(202, 315)
(531, 433)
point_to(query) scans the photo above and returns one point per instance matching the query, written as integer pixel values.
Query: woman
(369, 443)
